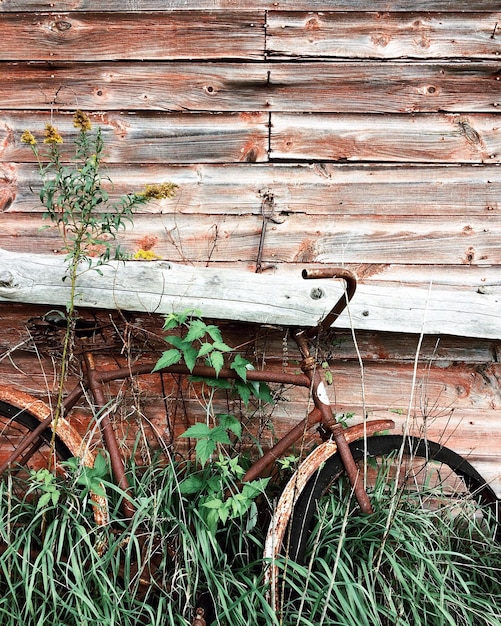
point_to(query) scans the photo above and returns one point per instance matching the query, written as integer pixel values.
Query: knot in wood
(61, 25)
(7, 280)
(316, 293)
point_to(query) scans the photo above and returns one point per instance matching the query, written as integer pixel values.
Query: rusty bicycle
(434, 475)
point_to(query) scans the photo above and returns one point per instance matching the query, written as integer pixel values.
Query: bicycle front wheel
(415, 486)
(421, 473)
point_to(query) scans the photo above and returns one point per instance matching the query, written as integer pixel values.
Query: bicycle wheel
(428, 502)
(45, 452)
(421, 474)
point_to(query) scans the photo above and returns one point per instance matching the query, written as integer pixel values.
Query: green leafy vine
(220, 494)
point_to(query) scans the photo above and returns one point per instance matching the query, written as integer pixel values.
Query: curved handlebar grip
(351, 286)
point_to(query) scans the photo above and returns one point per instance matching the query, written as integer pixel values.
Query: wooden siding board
(239, 34)
(308, 189)
(234, 34)
(374, 35)
(391, 138)
(300, 5)
(152, 138)
(384, 87)
(297, 239)
(164, 86)
(309, 86)
(382, 347)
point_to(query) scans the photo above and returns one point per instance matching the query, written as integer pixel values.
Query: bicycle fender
(294, 487)
(65, 431)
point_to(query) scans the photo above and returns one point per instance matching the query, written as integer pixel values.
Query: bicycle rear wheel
(47, 451)
(403, 476)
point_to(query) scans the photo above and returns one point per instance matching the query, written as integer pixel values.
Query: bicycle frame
(321, 415)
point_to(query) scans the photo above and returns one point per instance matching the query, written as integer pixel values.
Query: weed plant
(400, 566)
(78, 206)
(56, 567)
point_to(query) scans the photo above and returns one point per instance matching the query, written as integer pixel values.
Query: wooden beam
(281, 298)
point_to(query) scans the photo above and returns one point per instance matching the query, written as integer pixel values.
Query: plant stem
(68, 337)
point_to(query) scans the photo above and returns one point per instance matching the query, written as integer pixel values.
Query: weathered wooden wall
(371, 130)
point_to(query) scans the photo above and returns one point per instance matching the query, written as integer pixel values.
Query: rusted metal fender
(65, 431)
(294, 487)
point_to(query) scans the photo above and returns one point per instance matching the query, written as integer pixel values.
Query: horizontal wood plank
(309, 189)
(417, 138)
(300, 5)
(232, 34)
(350, 87)
(161, 287)
(384, 87)
(333, 239)
(152, 138)
(239, 34)
(372, 35)
(340, 350)
(226, 138)
(168, 86)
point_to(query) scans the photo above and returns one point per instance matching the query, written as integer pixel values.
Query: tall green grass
(420, 569)
(399, 566)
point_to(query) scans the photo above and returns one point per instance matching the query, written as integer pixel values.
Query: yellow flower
(159, 191)
(81, 121)
(146, 255)
(52, 135)
(27, 137)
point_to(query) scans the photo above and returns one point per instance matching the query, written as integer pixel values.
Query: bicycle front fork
(328, 421)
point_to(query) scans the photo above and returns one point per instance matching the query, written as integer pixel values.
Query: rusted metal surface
(109, 438)
(350, 281)
(319, 394)
(64, 430)
(285, 505)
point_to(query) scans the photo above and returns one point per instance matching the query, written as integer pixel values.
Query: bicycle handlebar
(350, 288)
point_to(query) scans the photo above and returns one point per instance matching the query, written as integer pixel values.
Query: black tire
(15, 425)
(433, 466)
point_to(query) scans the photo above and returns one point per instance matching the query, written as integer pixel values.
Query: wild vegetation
(420, 569)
